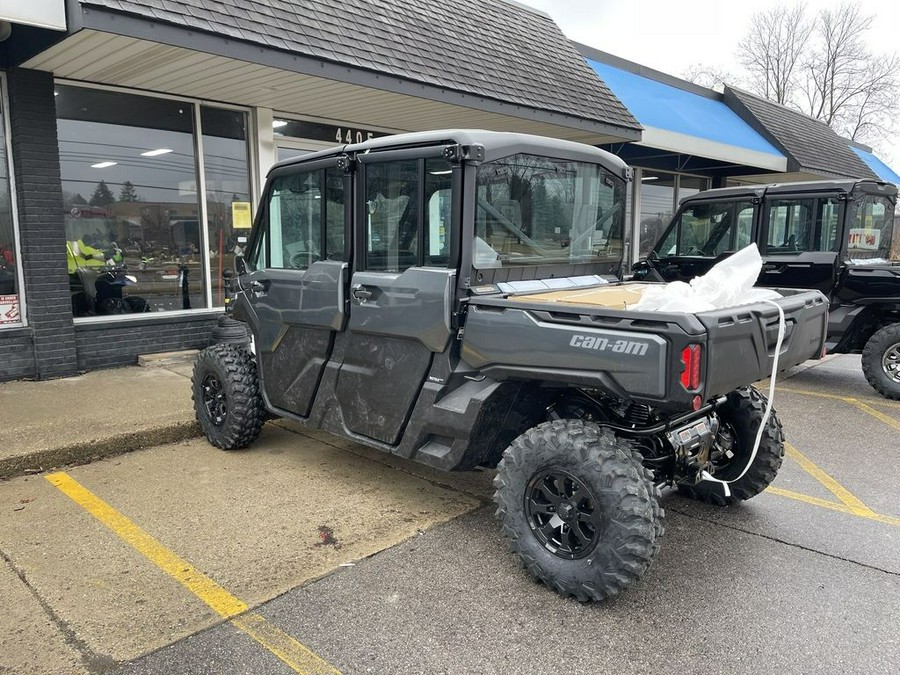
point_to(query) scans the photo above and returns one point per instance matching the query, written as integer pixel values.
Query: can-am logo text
(603, 344)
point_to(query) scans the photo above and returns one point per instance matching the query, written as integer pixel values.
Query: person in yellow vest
(81, 254)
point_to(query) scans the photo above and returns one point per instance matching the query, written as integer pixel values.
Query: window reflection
(131, 204)
(657, 207)
(228, 207)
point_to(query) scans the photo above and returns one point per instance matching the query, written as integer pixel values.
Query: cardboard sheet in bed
(618, 296)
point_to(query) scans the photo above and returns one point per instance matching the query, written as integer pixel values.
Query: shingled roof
(490, 48)
(811, 146)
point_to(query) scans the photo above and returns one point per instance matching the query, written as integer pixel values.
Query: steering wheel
(300, 260)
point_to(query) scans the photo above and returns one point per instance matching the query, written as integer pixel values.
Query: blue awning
(681, 114)
(882, 170)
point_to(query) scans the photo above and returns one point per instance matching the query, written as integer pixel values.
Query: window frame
(360, 229)
(200, 177)
(261, 224)
(14, 210)
(800, 197)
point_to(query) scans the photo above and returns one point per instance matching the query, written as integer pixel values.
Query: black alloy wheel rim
(562, 514)
(214, 399)
(890, 362)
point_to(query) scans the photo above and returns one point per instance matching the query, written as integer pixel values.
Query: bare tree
(847, 86)
(772, 51)
(709, 76)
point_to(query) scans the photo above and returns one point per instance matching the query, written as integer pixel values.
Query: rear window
(533, 210)
(871, 228)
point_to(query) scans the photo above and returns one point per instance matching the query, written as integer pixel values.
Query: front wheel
(739, 420)
(881, 361)
(579, 509)
(226, 396)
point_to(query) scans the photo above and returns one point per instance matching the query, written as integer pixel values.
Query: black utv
(452, 297)
(833, 235)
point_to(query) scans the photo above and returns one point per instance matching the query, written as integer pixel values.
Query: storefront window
(228, 204)
(657, 207)
(10, 313)
(129, 178)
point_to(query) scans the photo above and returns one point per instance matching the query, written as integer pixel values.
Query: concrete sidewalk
(102, 413)
(109, 412)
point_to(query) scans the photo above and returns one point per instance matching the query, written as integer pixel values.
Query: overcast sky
(671, 36)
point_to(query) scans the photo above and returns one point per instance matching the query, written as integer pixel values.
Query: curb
(85, 452)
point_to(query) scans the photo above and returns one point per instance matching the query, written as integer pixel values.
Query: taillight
(690, 360)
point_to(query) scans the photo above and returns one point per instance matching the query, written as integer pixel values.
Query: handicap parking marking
(290, 651)
(849, 503)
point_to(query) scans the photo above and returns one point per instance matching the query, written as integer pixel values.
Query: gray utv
(451, 297)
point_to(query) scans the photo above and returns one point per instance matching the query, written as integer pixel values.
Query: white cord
(705, 475)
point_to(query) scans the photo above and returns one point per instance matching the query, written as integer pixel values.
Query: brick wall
(16, 354)
(35, 153)
(119, 343)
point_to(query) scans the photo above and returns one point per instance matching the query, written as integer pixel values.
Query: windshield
(534, 210)
(708, 229)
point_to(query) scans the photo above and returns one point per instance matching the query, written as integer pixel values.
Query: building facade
(135, 138)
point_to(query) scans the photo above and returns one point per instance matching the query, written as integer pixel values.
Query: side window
(305, 218)
(709, 229)
(744, 233)
(295, 221)
(437, 213)
(797, 225)
(392, 219)
(408, 212)
(334, 214)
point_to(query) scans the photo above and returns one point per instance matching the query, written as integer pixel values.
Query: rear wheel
(226, 396)
(579, 509)
(739, 419)
(881, 361)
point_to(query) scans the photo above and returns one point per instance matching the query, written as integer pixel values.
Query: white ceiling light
(154, 153)
(650, 178)
(277, 124)
(441, 173)
(103, 165)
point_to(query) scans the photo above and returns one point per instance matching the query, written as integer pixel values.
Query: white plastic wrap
(727, 284)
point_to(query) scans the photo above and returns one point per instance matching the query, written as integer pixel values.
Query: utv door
(297, 295)
(400, 294)
(801, 241)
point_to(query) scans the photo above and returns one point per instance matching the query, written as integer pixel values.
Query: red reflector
(690, 359)
(696, 402)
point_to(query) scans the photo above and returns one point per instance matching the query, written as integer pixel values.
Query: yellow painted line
(834, 506)
(890, 421)
(298, 657)
(837, 397)
(830, 483)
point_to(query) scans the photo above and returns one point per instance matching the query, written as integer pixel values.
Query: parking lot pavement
(803, 578)
(454, 601)
(151, 547)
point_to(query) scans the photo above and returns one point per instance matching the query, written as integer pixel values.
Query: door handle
(770, 267)
(361, 293)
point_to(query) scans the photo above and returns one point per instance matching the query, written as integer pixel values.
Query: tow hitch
(693, 443)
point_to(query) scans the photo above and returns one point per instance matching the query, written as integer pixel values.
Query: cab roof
(846, 186)
(496, 144)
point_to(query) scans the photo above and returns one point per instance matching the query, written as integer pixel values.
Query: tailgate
(740, 345)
